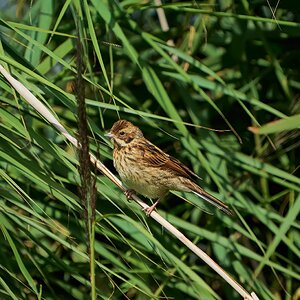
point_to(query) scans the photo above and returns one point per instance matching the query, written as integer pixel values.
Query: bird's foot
(129, 194)
(150, 209)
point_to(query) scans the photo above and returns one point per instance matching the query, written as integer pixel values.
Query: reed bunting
(147, 170)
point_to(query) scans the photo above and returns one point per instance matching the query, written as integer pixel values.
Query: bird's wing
(155, 157)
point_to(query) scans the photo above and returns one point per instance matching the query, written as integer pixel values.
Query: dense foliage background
(233, 65)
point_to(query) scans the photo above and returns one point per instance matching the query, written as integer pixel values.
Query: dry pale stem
(43, 110)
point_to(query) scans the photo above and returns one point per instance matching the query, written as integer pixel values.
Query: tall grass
(233, 66)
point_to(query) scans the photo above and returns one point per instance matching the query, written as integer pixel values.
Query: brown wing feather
(155, 157)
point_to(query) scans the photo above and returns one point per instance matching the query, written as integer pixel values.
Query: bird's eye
(122, 133)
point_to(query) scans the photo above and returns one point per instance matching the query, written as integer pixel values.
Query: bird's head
(123, 133)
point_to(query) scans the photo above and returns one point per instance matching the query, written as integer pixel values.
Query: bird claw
(150, 209)
(129, 194)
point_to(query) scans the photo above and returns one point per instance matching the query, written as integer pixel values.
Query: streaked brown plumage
(148, 170)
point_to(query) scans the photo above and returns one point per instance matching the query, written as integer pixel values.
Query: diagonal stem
(41, 108)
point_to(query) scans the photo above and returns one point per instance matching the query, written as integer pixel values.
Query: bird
(147, 170)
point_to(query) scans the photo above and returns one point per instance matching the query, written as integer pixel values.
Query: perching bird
(147, 170)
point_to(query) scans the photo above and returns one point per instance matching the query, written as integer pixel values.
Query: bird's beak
(109, 135)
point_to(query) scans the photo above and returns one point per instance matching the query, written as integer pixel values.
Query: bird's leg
(151, 208)
(129, 194)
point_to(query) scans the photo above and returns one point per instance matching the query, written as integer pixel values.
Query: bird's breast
(136, 175)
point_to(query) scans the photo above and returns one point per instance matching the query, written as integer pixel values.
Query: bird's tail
(211, 199)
